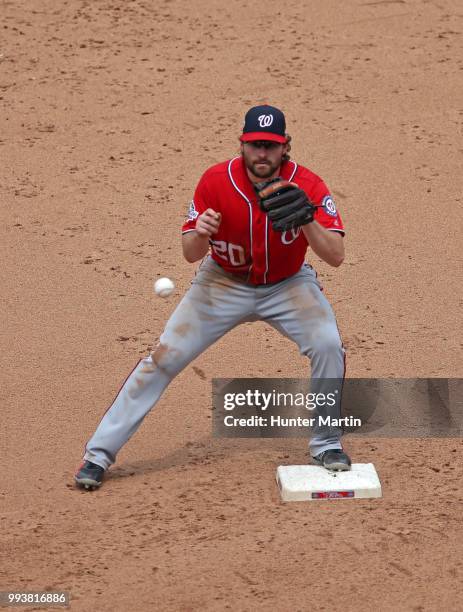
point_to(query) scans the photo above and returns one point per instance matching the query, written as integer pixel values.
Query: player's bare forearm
(194, 246)
(328, 245)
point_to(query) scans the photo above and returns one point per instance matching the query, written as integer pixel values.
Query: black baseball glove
(286, 205)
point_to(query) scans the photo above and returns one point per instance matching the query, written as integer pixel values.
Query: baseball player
(251, 221)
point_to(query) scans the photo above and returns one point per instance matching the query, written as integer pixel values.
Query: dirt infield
(110, 112)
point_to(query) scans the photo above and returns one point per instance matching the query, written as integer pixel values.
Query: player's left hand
(286, 205)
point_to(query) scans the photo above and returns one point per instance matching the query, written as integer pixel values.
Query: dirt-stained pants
(215, 303)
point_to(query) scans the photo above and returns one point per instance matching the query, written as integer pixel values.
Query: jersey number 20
(233, 253)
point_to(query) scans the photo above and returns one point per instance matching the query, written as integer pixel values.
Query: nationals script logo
(265, 120)
(290, 236)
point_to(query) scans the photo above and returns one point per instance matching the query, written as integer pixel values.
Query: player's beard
(263, 171)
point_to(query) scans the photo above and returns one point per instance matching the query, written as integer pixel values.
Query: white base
(312, 482)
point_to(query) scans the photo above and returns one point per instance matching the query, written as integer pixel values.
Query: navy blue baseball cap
(264, 123)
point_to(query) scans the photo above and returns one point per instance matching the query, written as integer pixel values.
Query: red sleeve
(327, 214)
(201, 202)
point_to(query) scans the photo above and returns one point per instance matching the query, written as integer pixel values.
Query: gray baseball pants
(216, 303)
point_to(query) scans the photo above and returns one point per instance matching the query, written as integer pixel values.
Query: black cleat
(89, 476)
(334, 459)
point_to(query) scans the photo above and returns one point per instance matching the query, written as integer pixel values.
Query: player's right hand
(207, 224)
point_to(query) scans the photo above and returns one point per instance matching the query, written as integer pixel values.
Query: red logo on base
(332, 494)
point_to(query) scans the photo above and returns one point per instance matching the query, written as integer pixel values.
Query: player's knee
(325, 342)
(329, 344)
(168, 359)
(162, 358)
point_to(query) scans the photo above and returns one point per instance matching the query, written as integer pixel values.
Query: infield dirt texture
(110, 111)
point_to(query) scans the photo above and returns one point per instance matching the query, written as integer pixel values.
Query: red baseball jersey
(246, 244)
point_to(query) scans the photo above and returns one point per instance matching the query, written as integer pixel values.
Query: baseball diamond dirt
(110, 113)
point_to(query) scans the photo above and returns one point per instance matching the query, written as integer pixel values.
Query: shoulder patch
(329, 206)
(192, 212)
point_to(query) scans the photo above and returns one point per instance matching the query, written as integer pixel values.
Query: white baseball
(163, 287)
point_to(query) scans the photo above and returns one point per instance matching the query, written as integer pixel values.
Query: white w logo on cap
(265, 120)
